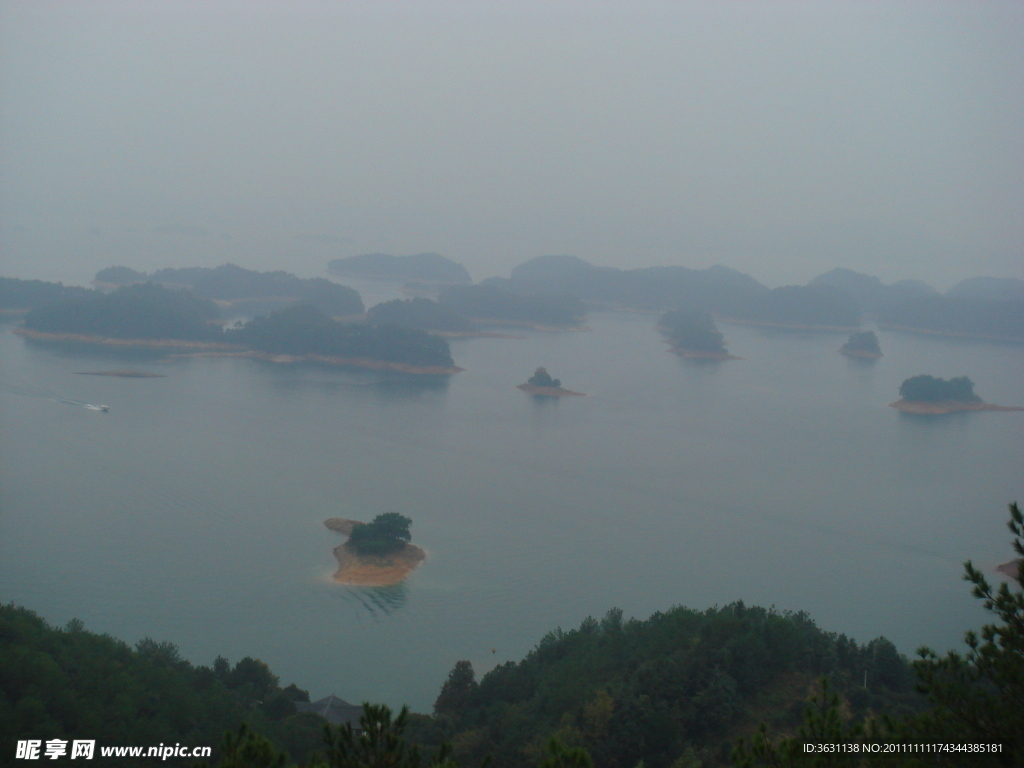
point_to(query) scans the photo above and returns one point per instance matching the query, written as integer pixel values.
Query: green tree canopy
(930, 389)
(541, 378)
(387, 533)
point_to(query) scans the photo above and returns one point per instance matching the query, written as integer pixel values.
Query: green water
(192, 511)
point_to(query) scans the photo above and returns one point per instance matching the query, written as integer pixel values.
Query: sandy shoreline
(85, 338)
(549, 391)
(371, 570)
(948, 406)
(214, 348)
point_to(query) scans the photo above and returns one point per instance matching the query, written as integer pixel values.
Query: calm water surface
(192, 511)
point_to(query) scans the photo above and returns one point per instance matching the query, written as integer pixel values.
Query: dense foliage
(232, 283)
(305, 330)
(386, 533)
(140, 311)
(864, 341)
(18, 294)
(430, 267)
(693, 330)
(541, 378)
(929, 389)
(418, 313)
(69, 683)
(487, 303)
(974, 698)
(802, 305)
(676, 685)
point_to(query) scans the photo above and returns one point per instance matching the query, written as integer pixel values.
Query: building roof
(334, 710)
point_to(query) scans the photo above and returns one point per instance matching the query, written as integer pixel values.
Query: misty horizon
(780, 141)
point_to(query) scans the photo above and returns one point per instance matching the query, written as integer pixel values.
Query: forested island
(377, 554)
(18, 296)
(244, 291)
(305, 332)
(693, 333)
(424, 267)
(716, 289)
(863, 344)
(421, 313)
(145, 311)
(152, 315)
(542, 384)
(487, 304)
(929, 395)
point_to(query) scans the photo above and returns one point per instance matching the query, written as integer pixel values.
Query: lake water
(192, 511)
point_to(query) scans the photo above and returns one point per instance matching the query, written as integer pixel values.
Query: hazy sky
(781, 139)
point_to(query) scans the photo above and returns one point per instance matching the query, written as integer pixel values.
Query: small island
(863, 345)
(377, 554)
(693, 334)
(931, 396)
(150, 315)
(542, 384)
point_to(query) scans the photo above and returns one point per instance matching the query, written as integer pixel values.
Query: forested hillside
(70, 683)
(681, 683)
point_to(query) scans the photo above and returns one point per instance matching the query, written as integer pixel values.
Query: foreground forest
(681, 689)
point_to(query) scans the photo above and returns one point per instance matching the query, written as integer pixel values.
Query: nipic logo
(29, 749)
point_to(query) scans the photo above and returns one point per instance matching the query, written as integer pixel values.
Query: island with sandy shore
(377, 554)
(930, 396)
(154, 317)
(863, 344)
(542, 384)
(693, 334)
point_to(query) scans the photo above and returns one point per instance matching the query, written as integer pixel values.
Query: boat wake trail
(42, 393)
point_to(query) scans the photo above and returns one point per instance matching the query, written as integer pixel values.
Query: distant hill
(802, 305)
(988, 288)
(716, 289)
(958, 316)
(870, 293)
(247, 289)
(421, 266)
(18, 294)
(987, 307)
